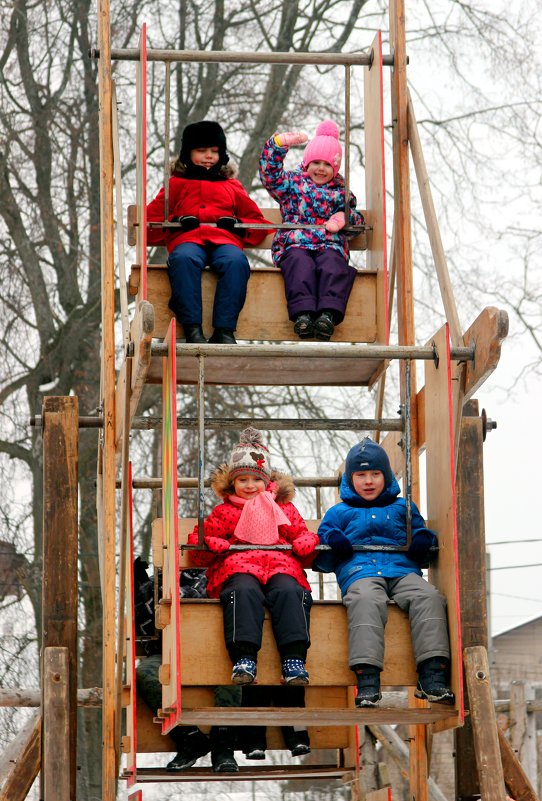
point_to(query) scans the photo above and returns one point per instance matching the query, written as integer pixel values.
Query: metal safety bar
(328, 349)
(355, 229)
(239, 57)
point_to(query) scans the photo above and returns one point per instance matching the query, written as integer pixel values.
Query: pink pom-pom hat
(325, 146)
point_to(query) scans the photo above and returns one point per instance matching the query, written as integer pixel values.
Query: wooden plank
(419, 757)
(472, 579)
(234, 716)
(60, 545)
(487, 334)
(56, 725)
(523, 728)
(21, 761)
(256, 773)
(241, 370)
(515, 778)
(484, 724)
(441, 500)
(150, 739)
(375, 183)
(266, 320)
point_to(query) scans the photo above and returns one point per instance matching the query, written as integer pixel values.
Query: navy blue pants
(244, 601)
(316, 280)
(185, 265)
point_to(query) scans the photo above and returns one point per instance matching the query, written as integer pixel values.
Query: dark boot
(304, 326)
(223, 336)
(297, 741)
(191, 745)
(368, 681)
(194, 334)
(324, 326)
(222, 748)
(433, 681)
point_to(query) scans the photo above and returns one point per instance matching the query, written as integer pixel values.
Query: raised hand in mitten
(335, 222)
(217, 544)
(289, 138)
(340, 544)
(420, 547)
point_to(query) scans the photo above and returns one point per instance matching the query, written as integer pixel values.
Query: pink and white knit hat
(250, 456)
(325, 146)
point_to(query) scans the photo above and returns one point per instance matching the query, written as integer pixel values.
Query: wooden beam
(20, 763)
(487, 334)
(515, 778)
(523, 728)
(60, 550)
(472, 579)
(484, 724)
(107, 500)
(56, 725)
(397, 750)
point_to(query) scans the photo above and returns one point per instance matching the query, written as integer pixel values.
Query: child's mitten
(340, 544)
(188, 222)
(335, 222)
(304, 545)
(228, 224)
(217, 544)
(289, 138)
(420, 547)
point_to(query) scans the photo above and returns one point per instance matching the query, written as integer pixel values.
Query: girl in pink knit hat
(256, 509)
(314, 261)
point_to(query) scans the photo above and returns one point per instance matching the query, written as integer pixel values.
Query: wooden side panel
(141, 159)
(327, 661)
(441, 497)
(130, 742)
(168, 610)
(264, 315)
(375, 188)
(21, 761)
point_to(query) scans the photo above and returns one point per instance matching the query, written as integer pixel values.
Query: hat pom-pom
(328, 128)
(251, 436)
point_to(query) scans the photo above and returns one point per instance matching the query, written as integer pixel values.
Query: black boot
(194, 334)
(433, 681)
(191, 745)
(222, 746)
(223, 336)
(368, 681)
(324, 326)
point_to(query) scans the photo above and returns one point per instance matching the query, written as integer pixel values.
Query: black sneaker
(223, 761)
(368, 681)
(324, 326)
(304, 326)
(255, 753)
(432, 681)
(300, 749)
(191, 748)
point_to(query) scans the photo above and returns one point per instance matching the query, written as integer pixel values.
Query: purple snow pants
(316, 280)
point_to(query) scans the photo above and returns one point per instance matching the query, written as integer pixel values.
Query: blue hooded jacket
(378, 522)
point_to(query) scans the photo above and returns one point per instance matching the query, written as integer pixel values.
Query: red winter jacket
(206, 200)
(261, 564)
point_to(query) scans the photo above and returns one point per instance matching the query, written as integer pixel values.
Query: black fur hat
(204, 134)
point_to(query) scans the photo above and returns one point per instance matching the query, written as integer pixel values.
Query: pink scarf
(260, 519)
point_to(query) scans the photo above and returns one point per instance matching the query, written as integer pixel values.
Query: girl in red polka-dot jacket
(256, 509)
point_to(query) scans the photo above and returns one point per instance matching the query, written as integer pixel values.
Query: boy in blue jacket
(371, 513)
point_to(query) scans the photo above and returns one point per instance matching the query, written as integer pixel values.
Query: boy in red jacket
(202, 189)
(256, 510)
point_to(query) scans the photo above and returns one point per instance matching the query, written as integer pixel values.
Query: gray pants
(367, 607)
